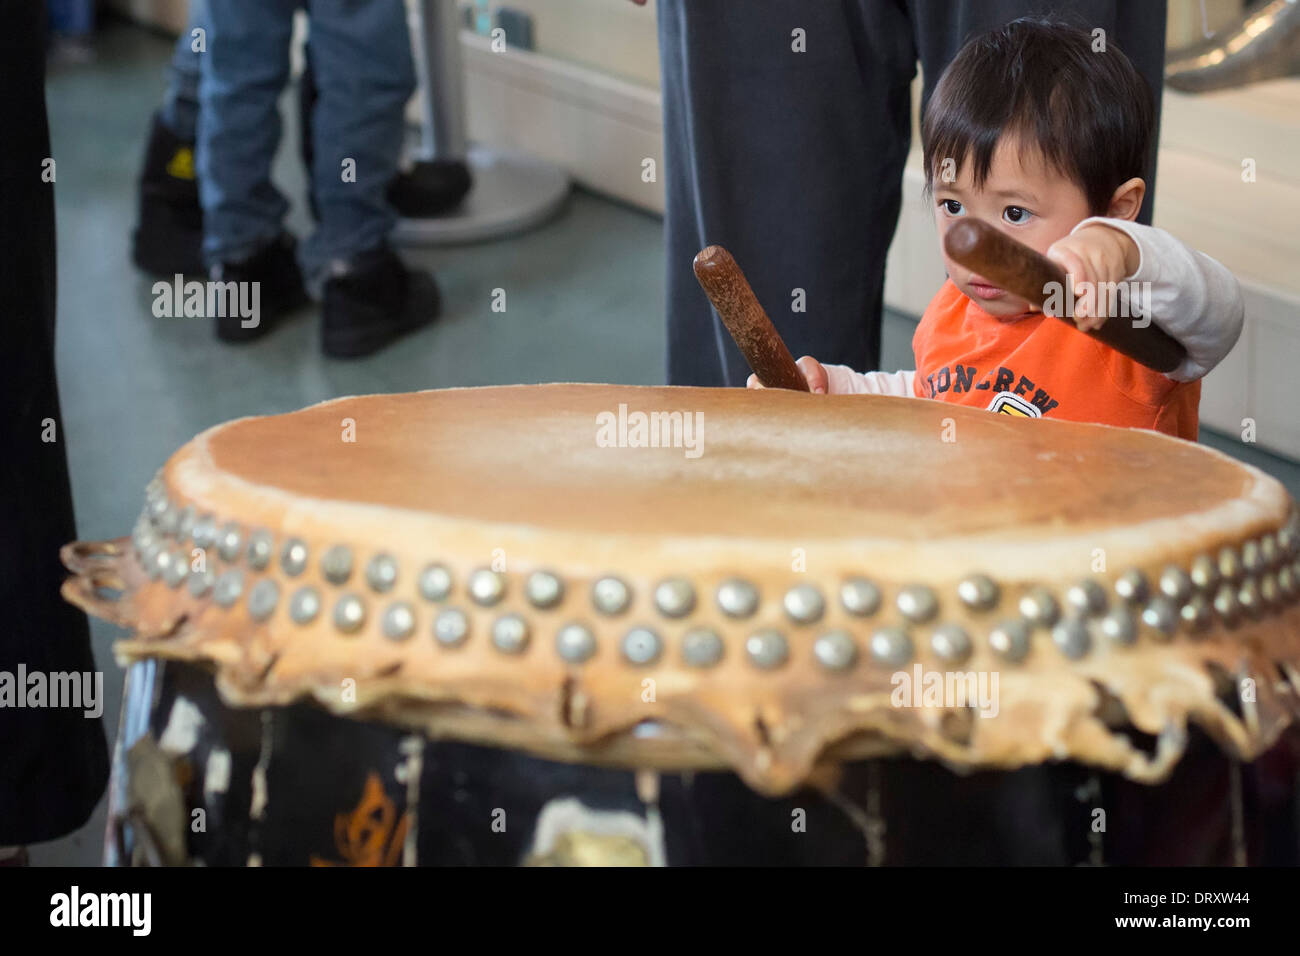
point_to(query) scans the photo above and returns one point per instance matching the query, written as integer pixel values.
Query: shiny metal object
(230, 542)
(336, 564)
(978, 592)
(228, 588)
(1071, 637)
(1120, 627)
(451, 627)
(836, 651)
(575, 643)
(398, 622)
(1039, 607)
(305, 605)
(1175, 584)
(917, 603)
(641, 646)
(610, 595)
(260, 549)
(435, 583)
(1131, 586)
(701, 647)
(543, 589)
(767, 649)
(891, 646)
(675, 597)
(349, 614)
(1161, 616)
(510, 634)
(860, 597)
(1010, 639)
(1086, 597)
(737, 598)
(486, 587)
(804, 604)
(263, 598)
(1263, 43)
(293, 557)
(381, 573)
(950, 643)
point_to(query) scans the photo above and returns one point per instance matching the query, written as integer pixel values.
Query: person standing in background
(786, 128)
(53, 759)
(168, 236)
(361, 57)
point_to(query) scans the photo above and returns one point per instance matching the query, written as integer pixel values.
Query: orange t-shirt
(1041, 367)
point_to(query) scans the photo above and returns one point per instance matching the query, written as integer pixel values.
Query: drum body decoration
(686, 579)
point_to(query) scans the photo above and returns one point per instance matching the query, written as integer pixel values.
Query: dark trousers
(53, 761)
(794, 161)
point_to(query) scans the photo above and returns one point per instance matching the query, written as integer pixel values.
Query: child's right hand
(814, 373)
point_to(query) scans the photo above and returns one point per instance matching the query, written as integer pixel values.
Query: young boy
(1032, 131)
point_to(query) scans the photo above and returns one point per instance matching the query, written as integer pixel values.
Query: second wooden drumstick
(1027, 273)
(745, 319)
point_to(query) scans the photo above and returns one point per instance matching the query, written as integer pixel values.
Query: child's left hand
(1096, 253)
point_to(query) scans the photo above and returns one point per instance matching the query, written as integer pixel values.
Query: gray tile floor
(585, 302)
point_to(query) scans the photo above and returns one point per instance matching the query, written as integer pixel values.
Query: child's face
(1022, 196)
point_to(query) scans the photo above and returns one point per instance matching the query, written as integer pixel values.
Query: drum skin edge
(1232, 668)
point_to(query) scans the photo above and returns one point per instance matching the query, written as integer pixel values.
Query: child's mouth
(985, 290)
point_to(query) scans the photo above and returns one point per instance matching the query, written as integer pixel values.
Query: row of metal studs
(803, 603)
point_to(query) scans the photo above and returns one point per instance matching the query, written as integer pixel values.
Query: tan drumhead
(748, 578)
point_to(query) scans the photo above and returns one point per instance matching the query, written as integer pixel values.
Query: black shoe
(374, 302)
(169, 236)
(279, 291)
(429, 189)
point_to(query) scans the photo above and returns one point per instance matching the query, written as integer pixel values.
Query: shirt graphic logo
(1009, 403)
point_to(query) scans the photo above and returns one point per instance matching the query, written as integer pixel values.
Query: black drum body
(196, 781)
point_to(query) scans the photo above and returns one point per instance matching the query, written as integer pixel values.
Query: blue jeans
(74, 18)
(180, 109)
(361, 55)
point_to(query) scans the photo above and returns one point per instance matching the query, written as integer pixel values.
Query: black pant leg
(791, 160)
(53, 761)
(1137, 28)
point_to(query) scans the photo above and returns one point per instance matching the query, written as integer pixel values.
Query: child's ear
(1126, 201)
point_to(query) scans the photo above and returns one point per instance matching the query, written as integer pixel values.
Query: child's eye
(1016, 215)
(951, 206)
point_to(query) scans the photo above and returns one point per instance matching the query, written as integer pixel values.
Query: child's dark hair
(1090, 114)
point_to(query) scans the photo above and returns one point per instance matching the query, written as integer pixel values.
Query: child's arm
(842, 380)
(1191, 296)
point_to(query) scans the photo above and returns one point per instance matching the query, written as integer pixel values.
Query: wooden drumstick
(1019, 269)
(745, 319)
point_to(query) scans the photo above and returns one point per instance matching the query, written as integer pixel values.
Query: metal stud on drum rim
(979, 592)
(737, 598)
(575, 643)
(510, 634)
(767, 649)
(836, 651)
(543, 589)
(641, 646)
(349, 614)
(804, 604)
(610, 596)
(1010, 639)
(860, 597)
(675, 597)
(701, 647)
